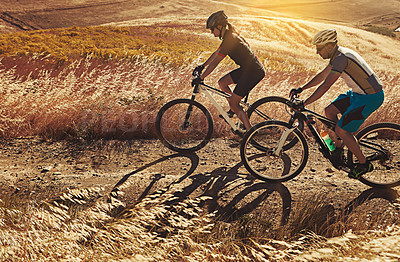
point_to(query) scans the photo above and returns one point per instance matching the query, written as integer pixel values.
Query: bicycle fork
(186, 123)
(278, 149)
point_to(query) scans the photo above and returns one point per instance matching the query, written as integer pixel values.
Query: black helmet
(218, 18)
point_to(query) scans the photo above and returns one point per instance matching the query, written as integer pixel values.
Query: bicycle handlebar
(196, 74)
(197, 71)
(296, 103)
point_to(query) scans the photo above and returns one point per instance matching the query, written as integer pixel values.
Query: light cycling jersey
(357, 74)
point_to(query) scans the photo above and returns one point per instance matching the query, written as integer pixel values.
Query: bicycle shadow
(217, 185)
(223, 182)
(388, 194)
(325, 220)
(194, 159)
(231, 194)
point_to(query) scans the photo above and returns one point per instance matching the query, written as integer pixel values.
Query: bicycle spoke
(184, 126)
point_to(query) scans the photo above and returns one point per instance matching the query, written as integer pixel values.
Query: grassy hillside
(109, 82)
(104, 43)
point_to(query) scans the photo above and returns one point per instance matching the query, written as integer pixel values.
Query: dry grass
(91, 99)
(68, 86)
(104, 42)
(83, 225)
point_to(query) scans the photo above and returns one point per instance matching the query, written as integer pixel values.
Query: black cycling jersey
(251, 71)
(238, 50)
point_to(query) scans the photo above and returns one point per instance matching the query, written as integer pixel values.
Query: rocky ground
(38, 169)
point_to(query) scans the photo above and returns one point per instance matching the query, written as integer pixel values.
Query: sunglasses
(319, 49)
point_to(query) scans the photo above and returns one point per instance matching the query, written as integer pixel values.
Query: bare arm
(318, 79)
(321, 90)
(212, 64)
(211, 58)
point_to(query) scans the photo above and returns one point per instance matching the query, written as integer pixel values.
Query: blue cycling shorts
(355, 108)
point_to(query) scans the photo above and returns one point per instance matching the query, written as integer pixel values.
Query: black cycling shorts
(246, 79)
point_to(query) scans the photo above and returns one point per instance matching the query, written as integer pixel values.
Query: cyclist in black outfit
(247, 76)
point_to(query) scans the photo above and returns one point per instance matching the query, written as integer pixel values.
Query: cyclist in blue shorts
(246, 77)
(365, 96)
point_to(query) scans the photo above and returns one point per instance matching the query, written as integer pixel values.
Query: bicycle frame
(206, 89)
(331, 125)
(308, 116)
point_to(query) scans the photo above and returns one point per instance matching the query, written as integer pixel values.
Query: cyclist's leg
(360, 108)
(338, 106)
(234, 103)
(248, 80)
(227, 80)
(350, 141)
(331, 113)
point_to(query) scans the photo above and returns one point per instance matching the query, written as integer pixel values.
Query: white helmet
(325, 36)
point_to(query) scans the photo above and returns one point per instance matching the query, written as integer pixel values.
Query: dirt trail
(37, 169)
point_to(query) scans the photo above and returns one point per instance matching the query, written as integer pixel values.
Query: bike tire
(261, 164)
(273, 108)
(386, 162)
(169, 125)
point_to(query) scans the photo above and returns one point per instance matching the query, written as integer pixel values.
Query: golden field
(106, 83)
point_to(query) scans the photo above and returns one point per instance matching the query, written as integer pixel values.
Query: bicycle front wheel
(380, 144)
(184, 125)
(263, 162)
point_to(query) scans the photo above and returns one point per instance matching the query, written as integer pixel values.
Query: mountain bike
(185, 125)
(280, 159)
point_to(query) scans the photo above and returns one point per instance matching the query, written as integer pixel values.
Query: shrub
(381, 30)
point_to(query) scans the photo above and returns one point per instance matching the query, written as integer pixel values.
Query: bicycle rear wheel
(380, 143)
(273, 108)
(262, 162)
(184, 125)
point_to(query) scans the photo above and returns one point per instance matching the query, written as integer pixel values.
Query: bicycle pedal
(230, 114)
(345, 169)
(238, 132)
(242, 128)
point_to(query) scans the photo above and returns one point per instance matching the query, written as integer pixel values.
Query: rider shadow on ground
(227, 188)
(231, 195)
